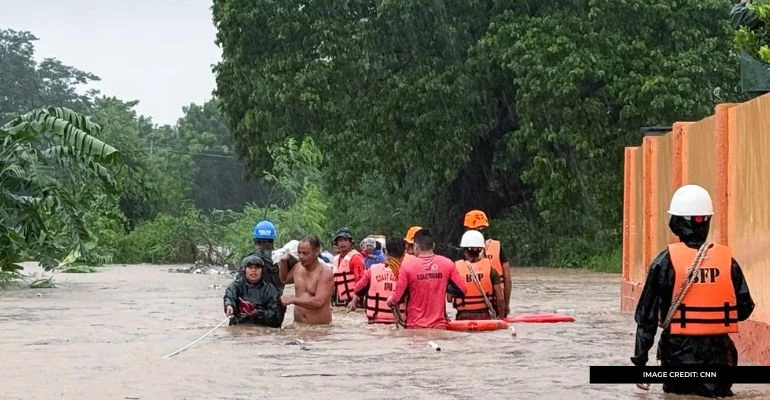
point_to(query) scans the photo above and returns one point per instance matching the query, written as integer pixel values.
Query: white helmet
(691, 200)
(472, 238)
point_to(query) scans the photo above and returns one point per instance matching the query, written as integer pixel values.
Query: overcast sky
(159, 52)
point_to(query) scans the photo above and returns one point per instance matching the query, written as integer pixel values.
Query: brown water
(104, 335)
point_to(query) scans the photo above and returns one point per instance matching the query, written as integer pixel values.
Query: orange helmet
(410, 234)
(475, 219)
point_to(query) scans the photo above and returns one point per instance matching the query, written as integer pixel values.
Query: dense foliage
(67, 201)
(46, 156)
(372, 115)
(425, 110)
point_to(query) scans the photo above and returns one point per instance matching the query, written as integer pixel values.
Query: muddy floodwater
(104, 335)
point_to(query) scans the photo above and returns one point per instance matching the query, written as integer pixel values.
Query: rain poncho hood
(270, 270)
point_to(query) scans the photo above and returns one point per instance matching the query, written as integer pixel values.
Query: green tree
(149, 182)
(204, 128)
(298, 206)
(25, 84)
(380, 86)
(425, 110)
(36, 204)
(587, 80)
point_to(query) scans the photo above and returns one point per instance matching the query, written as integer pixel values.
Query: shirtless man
(313, 283)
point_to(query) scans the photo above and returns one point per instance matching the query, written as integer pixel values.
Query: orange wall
(724, 154)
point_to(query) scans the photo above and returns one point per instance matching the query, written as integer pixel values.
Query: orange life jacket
(474, 300)
(381, 286)
(493, 255)
(709, 307)
(344, 278)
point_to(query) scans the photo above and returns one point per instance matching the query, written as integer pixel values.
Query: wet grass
(79, 269)
(42, 283)
(15, 279)
(610, 262)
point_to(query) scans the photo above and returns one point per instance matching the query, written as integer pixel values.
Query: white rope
(475, 278)
(197, 340)
(687, 283)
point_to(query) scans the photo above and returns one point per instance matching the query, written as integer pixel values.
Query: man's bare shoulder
(296, 267)
(326, 270)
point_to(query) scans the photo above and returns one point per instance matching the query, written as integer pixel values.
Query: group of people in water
(695, 290)
(405, 283)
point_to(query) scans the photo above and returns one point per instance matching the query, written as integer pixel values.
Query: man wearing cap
(477, 219)
(348, 268)
(249, 299)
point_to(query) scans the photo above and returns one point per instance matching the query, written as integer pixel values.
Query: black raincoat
(655, 301)
(262, 295)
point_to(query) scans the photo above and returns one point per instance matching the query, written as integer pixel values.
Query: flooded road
(104, 335)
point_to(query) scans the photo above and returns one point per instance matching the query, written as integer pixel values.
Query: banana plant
(44, 155)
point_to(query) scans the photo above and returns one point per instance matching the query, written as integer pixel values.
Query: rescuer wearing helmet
(713, 301)
(264, 235)
(484, 293)
(409, 242)
(477, 219)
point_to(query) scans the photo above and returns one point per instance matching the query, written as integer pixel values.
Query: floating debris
(304, 375)
(203, 269)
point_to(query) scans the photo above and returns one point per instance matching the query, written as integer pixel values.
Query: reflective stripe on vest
(381, 286)
(474, 300)
(344, 279)
(709, 307)
(493, 255)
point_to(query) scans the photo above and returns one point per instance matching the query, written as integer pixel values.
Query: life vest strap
(726, 319)
(376, 309)
(347, 278)
(467, 302)
(477, 303)
(705, 320)
(710, 309)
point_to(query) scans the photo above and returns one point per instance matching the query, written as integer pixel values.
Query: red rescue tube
(540, 318)
(478, 325)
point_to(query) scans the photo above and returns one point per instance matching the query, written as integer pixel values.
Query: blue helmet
(264, 230)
